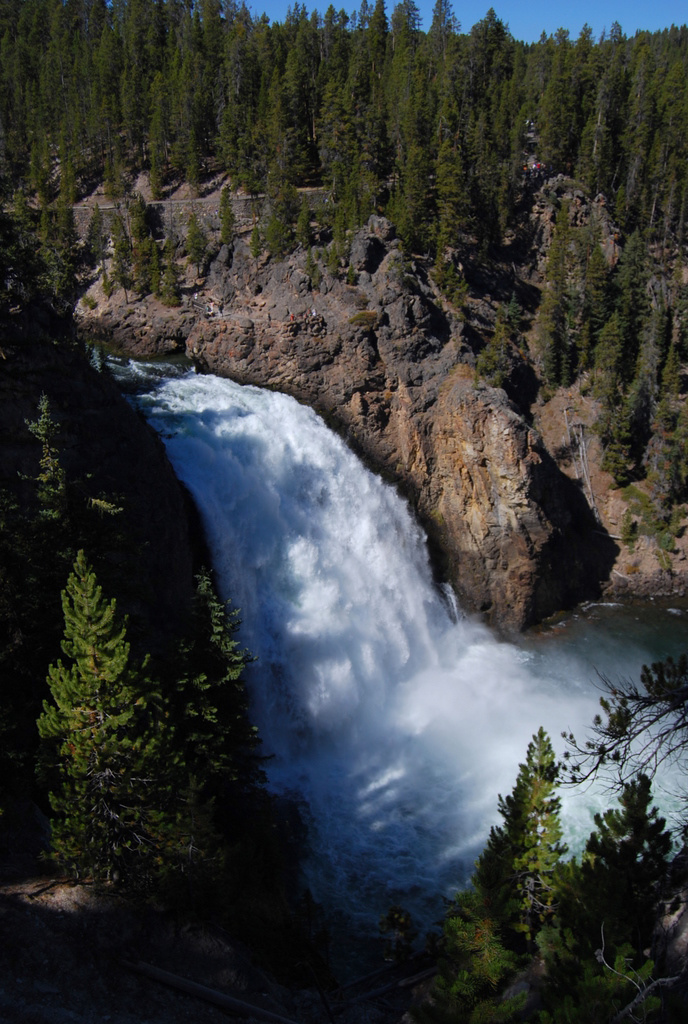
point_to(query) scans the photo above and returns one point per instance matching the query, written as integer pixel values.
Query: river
(393, 719)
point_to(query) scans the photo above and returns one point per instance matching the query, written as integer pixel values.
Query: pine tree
(51, 480)
(474, 968)
(209, 750)
(95, 238)
(196, 243)
(121, 260)
(212, 733)
(521, 855)
(99, 740)
(227, 221)
(607, 911)
(493, 362)
(155, 275)
(170, 276)
(554, 315)
(594, 311)
(256, 244)
(303, 225)
(625, 867)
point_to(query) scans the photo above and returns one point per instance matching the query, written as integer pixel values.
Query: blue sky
(526, 18)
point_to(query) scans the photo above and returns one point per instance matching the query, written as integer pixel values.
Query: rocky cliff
(390, 368)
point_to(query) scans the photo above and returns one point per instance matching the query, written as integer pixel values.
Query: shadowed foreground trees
(592, 918)
(104, 744)
(643, 727)
(134, 765)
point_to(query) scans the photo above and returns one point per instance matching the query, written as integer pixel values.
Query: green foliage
(196, 243)
(629, 529)
(493, 362)
(594, 950)
(122, 257)
(519, 860)
(51, 479)
(303, 226)
(365, 103)
(555, 312)
(256, 244)
(278, 237)
(512, 898)
(99, 742)
(138, 770)
(650, 521)
(365, 318)
(625, 865)
(625, 740)
(95, 238)
(169, 289)
(597, 994)
(474, 968)
(313, 270)
(227, 220)
(213, 737)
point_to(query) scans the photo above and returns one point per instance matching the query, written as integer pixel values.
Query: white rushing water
(393, 724)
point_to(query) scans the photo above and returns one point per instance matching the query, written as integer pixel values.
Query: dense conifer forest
(447, 132)
(434, 125)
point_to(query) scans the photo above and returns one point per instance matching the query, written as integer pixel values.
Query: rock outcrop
(390, 369)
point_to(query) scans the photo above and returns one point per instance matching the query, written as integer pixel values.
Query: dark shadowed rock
(104, 443)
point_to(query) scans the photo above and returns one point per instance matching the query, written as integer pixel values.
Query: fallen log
(209, 995)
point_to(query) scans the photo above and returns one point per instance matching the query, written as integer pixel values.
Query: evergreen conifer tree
(256, 244)
(554, 314)
(196, 243)
(227, 221)
(474, 967)
(95, 237)
(625, 867)
(213, 736)
(170, 276)
(521, 855)
(121, 260)
(303, 226)
(99, 739)
(606, 911)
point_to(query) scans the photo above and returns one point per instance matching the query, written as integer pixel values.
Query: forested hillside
(445, 131)
(435, 125)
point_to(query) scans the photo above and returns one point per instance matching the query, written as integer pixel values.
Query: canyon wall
(391, 370)
(108, 451)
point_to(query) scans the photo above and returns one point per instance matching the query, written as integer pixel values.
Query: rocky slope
(391, 367)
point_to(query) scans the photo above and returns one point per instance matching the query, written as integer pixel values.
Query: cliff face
(390, 370)
(104, 445)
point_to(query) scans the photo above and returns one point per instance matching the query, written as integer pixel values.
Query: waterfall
(393, 721)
